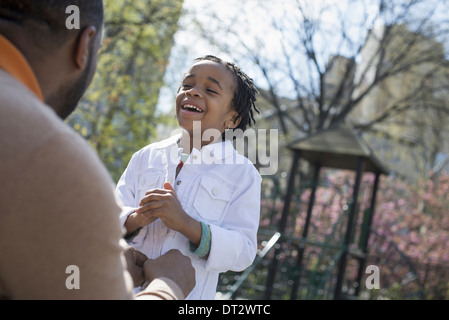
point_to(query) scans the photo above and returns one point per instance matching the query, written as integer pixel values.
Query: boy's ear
(82, 47)
(234, 120)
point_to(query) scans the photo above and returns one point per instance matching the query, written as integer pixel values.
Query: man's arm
(66, 238)
(171, 276)
(67, 219)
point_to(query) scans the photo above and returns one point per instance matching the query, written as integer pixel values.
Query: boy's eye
(185, 85)
(212, 91)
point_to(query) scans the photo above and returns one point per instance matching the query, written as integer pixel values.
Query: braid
(244, 95)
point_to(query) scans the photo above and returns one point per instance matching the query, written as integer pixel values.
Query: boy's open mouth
(192, 108)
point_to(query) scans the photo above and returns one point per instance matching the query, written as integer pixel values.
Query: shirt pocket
(212, 198)
(146, 180)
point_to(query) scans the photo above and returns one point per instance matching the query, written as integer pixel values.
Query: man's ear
(82, 46)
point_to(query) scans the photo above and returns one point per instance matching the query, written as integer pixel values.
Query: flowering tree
(410, 231)
(415, 218)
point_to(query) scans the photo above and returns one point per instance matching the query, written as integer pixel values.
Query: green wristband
(204, 247)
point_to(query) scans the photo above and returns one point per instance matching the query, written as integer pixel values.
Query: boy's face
(205, 95)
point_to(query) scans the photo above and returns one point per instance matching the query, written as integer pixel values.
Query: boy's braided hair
(244, 95)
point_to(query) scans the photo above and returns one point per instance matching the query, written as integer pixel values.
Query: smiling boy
(172, 198)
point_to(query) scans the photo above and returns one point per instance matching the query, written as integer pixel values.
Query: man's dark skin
(64, 72)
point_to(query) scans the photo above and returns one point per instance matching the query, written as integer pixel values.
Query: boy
(194, 192)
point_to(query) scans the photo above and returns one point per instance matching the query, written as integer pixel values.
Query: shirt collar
(14, 63)
(173, 140)
(219, 150)
(207, 154)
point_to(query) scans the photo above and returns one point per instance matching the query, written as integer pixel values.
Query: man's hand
(173, 265)
(135, 261)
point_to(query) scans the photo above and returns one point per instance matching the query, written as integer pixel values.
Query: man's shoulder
(28, 126)
(23, 115)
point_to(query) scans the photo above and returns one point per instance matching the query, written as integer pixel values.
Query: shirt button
(178, 182)
(215, 191)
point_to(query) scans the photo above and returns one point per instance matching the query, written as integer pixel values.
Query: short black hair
(244, 100)
(46, 19)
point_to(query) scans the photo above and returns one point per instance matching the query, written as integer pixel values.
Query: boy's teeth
(189, 106)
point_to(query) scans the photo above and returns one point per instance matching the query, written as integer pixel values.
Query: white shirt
(217, 186)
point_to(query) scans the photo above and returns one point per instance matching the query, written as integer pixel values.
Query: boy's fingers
(153, 196)
(152, 213)
(160, 191)
(168, 186)
(145, 207)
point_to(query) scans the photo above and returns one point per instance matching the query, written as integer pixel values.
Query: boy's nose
(193, 92)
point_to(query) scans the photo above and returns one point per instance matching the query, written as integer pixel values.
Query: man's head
(63, 60)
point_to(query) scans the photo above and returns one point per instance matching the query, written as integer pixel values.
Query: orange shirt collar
(13, 62)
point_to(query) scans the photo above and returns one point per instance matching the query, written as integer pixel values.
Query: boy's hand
(163, 204)
(136, 221)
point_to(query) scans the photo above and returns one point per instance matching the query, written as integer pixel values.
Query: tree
(408, 236)
(337, 60)
(118, 113)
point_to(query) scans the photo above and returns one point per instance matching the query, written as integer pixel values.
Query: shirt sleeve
(161, 289)
(234, 242)
(125, 192)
